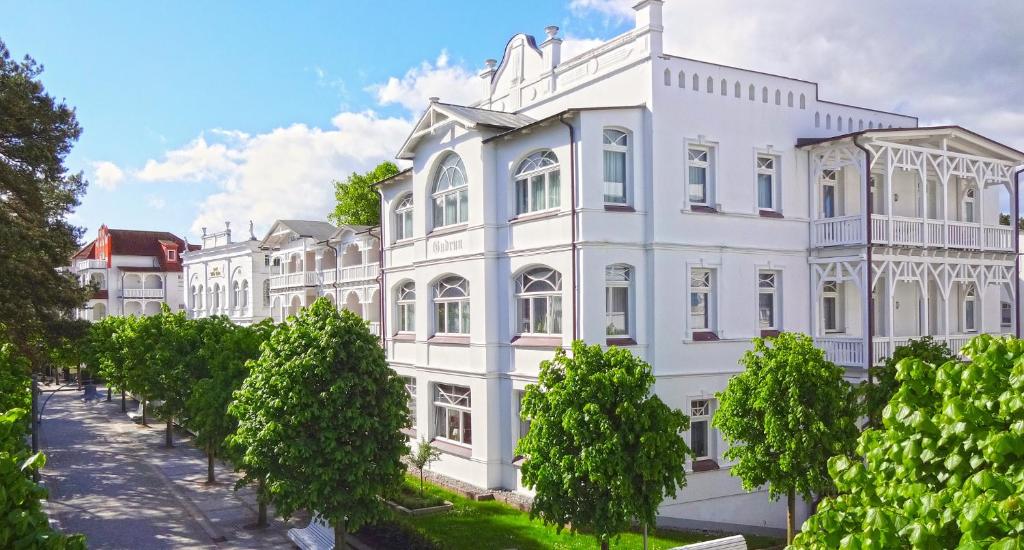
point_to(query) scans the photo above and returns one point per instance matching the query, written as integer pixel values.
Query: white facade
(629, 197)
(310, 259)
(228, 278)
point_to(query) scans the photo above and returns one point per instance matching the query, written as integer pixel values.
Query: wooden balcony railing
(906, 231)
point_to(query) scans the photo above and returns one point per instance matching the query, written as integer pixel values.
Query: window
(701, 297)
(831, 319)
(724, 87)
(968, 208)
(766, 183)
(616, 148)
(453, 417)
(1005, 314)
(699, 173)
(451, 306)
(524, 423)
(617, 280)
(405, 301)
(236, 294)
(700, 428)
(451, 192)
(403, 218)
(266, 293)
(970, 309)
(767, 300)
(171, 255)
(668, 77)
(828, 193)
(244, 302)
(410, 390)
(537, 183)
(539, 298)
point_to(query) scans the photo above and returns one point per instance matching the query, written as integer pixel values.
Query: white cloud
(573, 46)
(156, 202)
(107, 174)
(905, 56)
(451, 83)
(197, 161)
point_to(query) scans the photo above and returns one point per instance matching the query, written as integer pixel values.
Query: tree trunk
(339, 535)
(109, 389)
(645, 536)
(124, 402)
(144, 407)
(170, 434)
(604, 543)
(791, 516)
(210, 478)
(421, 482)
(261, 516)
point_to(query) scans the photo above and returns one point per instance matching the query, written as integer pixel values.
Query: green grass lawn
(491, 524)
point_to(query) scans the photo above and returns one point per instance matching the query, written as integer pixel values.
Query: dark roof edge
(390, 178)
(808, 142)
(561, 114)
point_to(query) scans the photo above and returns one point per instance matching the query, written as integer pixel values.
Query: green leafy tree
(947, 468)
(225, 348)
(173, 362)
(358, 202)
(320, 419)
(15, 391)
(877, 393)
(36, 195)
(68, 347)
(135, 337)
(421, 456)
(784, 416)
(104, 355)
(602, 451)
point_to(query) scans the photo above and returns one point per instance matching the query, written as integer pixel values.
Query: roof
(130, 242)
(441, 114)
(399, 176)
(317, 230)
(85, 252)
(560, 114)
(922, 130)
(137, 269)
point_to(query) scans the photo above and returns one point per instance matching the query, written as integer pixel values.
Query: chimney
(648, 16)
(486, 75)
(551, 48)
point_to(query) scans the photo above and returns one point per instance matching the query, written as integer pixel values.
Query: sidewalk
(114, 481)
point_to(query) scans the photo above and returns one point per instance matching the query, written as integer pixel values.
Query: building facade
(134, 273)
(228, 278)
(678, 208)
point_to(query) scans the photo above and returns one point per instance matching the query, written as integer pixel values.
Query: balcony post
(888, 193)
(944, 177)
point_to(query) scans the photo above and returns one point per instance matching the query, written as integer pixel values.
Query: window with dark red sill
(703, 208)
(706, 336)
(770, 214)
(704, 465)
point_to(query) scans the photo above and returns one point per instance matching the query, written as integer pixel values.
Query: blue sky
(194, 113)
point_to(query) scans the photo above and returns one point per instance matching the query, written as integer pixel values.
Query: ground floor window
(410, 389)
(700, 428)
(453, 417)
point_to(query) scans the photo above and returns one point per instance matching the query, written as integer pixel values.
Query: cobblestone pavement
(115, 482)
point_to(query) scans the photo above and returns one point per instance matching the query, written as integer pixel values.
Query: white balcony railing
(149, 293)
(328, 276)
(847, 351)
(361, 272)
(298, 279)
(375, 328)
(91, 264)
(838, 231)
(904, 231)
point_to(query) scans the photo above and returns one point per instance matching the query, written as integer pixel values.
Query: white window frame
(541, 164)
(172, 255)
(970, 198)
(702, 409)
(410, 390)
(833, 182)
(405, 308)
(538, 284)
(695, 274)
(608, 144)
(447, 170)
(970, 296)
(710, 166)
(769, 283)
(620, 276)
(836, 294)
(451, 300)
(403, 218)
(761, 169)
(446, 398)
(1005, 314)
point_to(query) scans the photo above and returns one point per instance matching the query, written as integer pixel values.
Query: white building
(134, 273)
(679, 208)
(228, 278)
(310, 259)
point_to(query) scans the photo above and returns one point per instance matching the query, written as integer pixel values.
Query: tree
(875, 395)
(68, 347)
(320, 419)
(422, 456)
(15, 382)
(225, 348)
(358, 201)
(104, 354)
(784, 416)
(173, 363)
(947, 468)
(602, 450)
(36, 195)
(135, 336)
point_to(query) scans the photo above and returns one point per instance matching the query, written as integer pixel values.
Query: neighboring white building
(228, 278)
(678, 208)
(310, 259)
(135, 272)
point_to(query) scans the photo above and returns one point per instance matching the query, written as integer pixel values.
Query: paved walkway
(113, 481)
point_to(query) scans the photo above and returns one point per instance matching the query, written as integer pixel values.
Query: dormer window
(172, 255)
(451, 192)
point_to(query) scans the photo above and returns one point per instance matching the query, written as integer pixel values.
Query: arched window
(737, 90)
(789, 99)
(405, 303)
(451, 192)
(778, 97)
(266, 293)
(764, 94)
(970, 319)
(696, 83)
(803, 101)
(451, 306)
(725, 87)
(538, 185)
(968, 209)
(751, 92)
(817, 120)
(849, 124)
(828, 122)
(618, 300)
(236, 294)
(403, 218)
(243, 301)
(711, 85)
(539, 302)
(682, 79)
(201, 300)
(616, 162)
(839, 124)
(668, 77)
(195, 297)
(215, 297)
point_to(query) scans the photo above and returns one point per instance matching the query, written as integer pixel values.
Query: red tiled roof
(86, 252)
(129, 242)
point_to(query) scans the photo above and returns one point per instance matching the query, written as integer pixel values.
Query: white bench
(318, 535)
(136, 414)
(728, 543)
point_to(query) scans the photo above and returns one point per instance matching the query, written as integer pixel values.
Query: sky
(199, 113)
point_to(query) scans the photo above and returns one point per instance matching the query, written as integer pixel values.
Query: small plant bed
(411, 500)
(491, 524)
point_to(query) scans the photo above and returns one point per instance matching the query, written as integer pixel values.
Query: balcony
(293, 280)
(360, 272)
(90, 264)
(920, 232)
(145, 293)
(848, 351)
